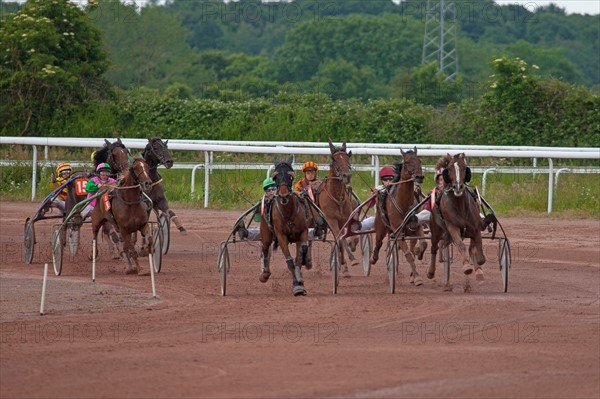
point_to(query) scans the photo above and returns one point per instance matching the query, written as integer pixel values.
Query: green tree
(51, 60)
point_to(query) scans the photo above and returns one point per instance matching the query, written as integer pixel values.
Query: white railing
(373, 150)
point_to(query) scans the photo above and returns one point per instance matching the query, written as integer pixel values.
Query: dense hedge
(564, 116)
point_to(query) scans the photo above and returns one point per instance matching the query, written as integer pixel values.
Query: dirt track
(111, 339)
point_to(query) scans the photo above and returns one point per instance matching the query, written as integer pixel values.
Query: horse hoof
(131, 270)
(264, 277)
(479, 274)
(418, 281)
(143, 272)
(467, 269)
(308, 265)
(411, 279)
(355, 262)
(182, 231)
(299, 290)
(345, 272)
(430, 275)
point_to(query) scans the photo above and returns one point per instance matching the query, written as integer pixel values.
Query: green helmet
(268, 182)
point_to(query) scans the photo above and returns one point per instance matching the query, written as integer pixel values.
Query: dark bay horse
(125, 208)
(116, 154)
(156, 153)
(456, 216)
(334, 198)
(391, 212)
(289, 220)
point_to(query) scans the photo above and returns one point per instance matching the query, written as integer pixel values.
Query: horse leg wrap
(296, 272)
(304, 252)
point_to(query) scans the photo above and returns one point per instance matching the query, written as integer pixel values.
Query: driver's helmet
(309, 165)
(267, 183)
(386, 171)
(63, 167)
(102, 166)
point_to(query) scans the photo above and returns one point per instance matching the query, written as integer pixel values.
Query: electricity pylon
(439, 41)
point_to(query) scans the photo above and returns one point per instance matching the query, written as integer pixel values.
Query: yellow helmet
(309, 165)
(62, 167)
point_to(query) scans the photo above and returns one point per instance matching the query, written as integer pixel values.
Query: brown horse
(334, 198)
(289, 220)
(125, 208)
(456, 216)
(156, 153)
(391, 212)
(115, 154)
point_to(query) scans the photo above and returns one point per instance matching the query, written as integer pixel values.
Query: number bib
(106, 201)
(80, 186)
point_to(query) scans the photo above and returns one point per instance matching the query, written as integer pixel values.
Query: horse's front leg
(175, 220)
(128, 252)
(297, 279)
(414, 276)
(380, 231)
(462, 248)
(265, 256)
(477, 256)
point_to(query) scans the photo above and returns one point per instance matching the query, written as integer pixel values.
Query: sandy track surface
(111, 339)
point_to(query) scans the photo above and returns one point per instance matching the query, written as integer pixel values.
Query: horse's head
(117, 156)
(284, 177)
(411, 167)
(340, 163)
(138, 173)
(457, 174)
(157, 153)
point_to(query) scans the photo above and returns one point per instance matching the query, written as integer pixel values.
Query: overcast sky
(571, 6)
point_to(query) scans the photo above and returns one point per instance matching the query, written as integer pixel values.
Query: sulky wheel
(223, 265)
(28, 241)
(164, 226)
(57, 250)
(505, 262)
(334, 265)
(157, 247)
(366, 243)
(392, 263)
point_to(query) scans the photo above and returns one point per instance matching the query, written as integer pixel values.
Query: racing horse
(115, 154)
(156, 153)
(334, 198)
(289, 222)
(456, 216)
(125, 207)
(396, 204)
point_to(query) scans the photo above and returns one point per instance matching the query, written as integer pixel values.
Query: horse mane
(101, 155)
(443, 162)
(126, 175)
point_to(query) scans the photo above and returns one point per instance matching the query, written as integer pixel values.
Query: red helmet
(387, 171)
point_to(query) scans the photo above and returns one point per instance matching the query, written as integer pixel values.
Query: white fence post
(34, 173)
(550, 175)
(206, 178)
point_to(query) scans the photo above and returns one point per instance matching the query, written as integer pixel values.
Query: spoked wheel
(164, 226)
(366, 243)
(334, 265)
(57, 250)
(392, 263)
(28, 241)
(223, 265)
(505, 261)
(157, 246)
(447, 257)
(73, 232)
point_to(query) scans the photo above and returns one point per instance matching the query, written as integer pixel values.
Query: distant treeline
(299, 70)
